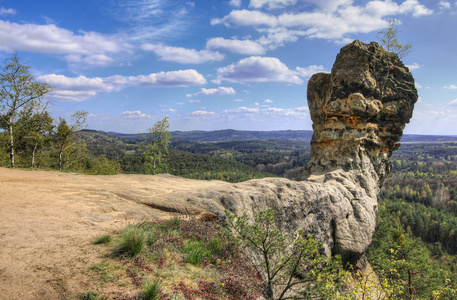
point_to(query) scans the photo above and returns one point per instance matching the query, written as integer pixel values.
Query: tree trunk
(33, 154)
(11, 143)
(60, 159)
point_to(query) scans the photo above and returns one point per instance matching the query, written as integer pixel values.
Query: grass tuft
(133, 241)
(196, 251)
(104, 239)
(151, 291)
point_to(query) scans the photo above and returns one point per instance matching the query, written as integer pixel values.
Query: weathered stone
(358, 112)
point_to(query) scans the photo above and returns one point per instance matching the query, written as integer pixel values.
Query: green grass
(92, 295)
(132, 241)
(196, 251)
(151, 291)
(104, 239)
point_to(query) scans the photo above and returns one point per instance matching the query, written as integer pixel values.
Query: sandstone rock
(358, 112)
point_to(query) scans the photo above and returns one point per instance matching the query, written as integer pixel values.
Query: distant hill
(230, 135)
(297, 135)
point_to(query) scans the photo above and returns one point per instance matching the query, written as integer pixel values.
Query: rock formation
(358, 112)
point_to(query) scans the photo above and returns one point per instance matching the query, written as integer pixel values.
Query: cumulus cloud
(418, 86)
(85, 47)
(235, 46)
(451, 87)
(81, 88)
(169, 110)
(333, 19)
(222, 90)
(183, 55)
(137, 114)
(7, 11)
(268, 101)
(258, 69)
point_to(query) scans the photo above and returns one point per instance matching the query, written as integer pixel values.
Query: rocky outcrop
(358, 112)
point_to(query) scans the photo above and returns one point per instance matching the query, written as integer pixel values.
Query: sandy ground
(48, 221)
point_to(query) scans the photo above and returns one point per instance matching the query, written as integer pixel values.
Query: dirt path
(48, 221)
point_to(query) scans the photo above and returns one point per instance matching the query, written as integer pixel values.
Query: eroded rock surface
(359, 112)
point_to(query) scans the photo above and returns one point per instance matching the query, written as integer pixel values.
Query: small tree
(157, 140)
(388, 38)
(66, 135)
(18, 92)
(291, 268)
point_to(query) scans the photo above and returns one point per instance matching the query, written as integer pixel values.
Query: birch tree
(19, 91)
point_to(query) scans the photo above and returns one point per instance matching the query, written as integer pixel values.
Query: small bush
(104, 239)
(196, 251)
(132, 242)
(151, 291)
(92, 295)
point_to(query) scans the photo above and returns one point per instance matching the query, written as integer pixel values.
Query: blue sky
(208, 65)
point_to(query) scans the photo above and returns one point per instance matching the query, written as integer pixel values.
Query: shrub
(104, 239)
(132, 242)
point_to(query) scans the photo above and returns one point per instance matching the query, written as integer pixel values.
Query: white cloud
(236, 3)
(310, 70)
(85, 47)
(258, 69)
(81, 88)
(183, 55)
(333, 19)
(169, 110)
(276, 37)
(453, 102)
(235, 46)
(445, 5)
(7, 11)
(238, 100)
(137, 114)
(418, 86)
(202, 113)
(451, 87)
(268, 101)
(271, 4)
(214, 92)
(150, 20)
(413, 67)
(92, 60)
(193, 101)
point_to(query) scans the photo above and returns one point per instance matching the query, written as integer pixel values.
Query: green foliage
(404, 262)
(20, 95)
(151, 291)
(157, 140)
(196, 251)
(389, 39)
(101, 166)
(92, 295)
(288, 266)
(70, 150)
(103, 239)
(132, 241)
